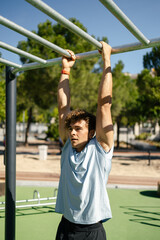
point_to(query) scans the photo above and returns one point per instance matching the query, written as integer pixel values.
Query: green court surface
(136, 215)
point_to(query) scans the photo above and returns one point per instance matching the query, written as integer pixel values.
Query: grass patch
(136, 215)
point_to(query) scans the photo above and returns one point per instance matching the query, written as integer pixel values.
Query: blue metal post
(10, 190)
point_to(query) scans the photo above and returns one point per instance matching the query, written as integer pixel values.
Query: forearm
(63, 104)
(105, 88)
(63, 87)
(104, 126)
(64, 92)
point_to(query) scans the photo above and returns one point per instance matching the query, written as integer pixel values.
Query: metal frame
(21, 52)
(38, 200)
(64, 21)
(9, 63)
(81, 56)
(29, 34)
(41, 63)
(117, 12)
(10, 155)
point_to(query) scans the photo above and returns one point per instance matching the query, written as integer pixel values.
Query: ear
(91, 133)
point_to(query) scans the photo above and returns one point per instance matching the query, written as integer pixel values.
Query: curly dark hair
(80, 114)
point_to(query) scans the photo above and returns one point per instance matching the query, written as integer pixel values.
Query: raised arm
(104, 126)
(64, 94)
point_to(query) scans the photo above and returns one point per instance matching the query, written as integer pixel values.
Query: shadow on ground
(150, 193)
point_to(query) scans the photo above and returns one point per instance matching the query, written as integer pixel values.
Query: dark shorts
(71, 231)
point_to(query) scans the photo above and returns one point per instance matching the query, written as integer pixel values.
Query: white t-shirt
(82, 195)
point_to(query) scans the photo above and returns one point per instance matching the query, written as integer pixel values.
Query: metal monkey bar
(17, 28)
(38, 201)
(64, 21)
(9, 63)
(80, 56)
(117, 12)
(21, 52)
(13, 68)
(39, 63)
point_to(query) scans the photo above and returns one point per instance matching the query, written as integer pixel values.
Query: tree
(84, 88)
(2, 93)
(149, 96)
(124, 98)
(38, 88)
(152, 60)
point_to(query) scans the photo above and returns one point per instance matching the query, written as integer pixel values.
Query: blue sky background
(145, 14)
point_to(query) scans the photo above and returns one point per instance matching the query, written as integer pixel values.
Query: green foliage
(124, 96)
(2, 71)
(38, 88)
(2, 101)
(22, 116)
(152, 60)
(55, 113)
(53, 132)
(84, 89)
(143, 136)
(2, 94)
(149, 96)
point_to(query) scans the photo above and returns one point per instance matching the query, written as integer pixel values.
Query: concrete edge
(55, 185)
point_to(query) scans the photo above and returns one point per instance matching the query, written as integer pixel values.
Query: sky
(145, 14)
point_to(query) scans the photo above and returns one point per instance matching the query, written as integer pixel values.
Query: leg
(96, 235)
(61, 231)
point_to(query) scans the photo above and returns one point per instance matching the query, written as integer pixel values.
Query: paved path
(127, 180)
(113, 179)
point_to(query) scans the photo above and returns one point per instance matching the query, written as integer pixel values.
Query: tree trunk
(28, 125)
(118, 132)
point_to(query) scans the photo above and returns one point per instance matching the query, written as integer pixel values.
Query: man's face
(78, 134)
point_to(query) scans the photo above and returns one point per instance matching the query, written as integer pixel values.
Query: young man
(86, 159)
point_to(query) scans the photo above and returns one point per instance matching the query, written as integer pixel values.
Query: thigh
(64, 232)
(99, 234)
(61, 231)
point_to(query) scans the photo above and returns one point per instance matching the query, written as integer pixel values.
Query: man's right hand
(106, 51)
(67, 63)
